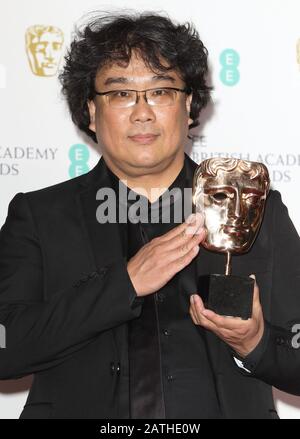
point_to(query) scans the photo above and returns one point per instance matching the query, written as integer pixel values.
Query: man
(99, 311)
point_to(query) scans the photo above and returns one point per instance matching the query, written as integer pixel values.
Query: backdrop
(254, 48)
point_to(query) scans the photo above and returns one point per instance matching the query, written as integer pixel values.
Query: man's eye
(120, 94)
(219, 196)
(159, 92)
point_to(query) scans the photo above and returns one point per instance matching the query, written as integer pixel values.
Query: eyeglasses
(161, 97)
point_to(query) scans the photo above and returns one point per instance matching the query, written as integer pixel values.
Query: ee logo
(79, 156)
(229, 60)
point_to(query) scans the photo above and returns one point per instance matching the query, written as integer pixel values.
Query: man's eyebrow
(163, 78)
(116, 80)
(123, 80)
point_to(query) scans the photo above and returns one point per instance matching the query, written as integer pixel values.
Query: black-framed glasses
(162, 96)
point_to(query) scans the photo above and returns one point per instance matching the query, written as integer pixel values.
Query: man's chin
(146, 162)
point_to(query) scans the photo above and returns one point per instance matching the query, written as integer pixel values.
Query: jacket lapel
(103, 239)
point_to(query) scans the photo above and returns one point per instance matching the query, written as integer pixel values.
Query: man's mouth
(144, 138)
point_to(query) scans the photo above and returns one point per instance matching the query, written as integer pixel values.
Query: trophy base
(227, 295)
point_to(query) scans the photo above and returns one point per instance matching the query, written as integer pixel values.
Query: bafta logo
(44, 47)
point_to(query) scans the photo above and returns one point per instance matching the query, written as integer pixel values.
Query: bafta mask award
(44, 49)
(231, 195)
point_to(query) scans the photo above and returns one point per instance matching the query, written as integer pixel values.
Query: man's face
(140, 139)
(233, 206)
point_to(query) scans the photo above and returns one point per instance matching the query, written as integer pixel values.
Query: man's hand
(241, 335)
(160, 259)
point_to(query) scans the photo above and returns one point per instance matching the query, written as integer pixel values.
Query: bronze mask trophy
(231, 195)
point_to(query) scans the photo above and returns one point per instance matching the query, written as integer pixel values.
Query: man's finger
(221, 322)
(256, 299)
(178, 261)
(203, 321)
(193, 315)
(184, 245)
(197, 302)
(226, 322)
(191, 223)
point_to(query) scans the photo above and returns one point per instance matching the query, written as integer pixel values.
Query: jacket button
(160, 297)
(102, 271)
(167, 332)
(112, 367)
(84, 278)
(279, 340)
(170, 377)
(115, 368)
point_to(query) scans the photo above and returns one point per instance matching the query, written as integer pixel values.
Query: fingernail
(192, 299)
(199, 231)
(252, 276)
(199, 217)
(190, 219)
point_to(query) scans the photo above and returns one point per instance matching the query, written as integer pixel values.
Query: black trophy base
(227, 295)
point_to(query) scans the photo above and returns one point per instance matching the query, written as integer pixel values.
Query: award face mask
(44, 49)
(231, 194)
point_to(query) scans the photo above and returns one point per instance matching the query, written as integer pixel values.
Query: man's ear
(92, 111)
(188, 107)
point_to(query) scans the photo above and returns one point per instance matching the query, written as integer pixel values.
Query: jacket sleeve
(41, 332)
(279, 364)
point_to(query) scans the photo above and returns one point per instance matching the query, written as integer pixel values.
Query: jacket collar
(99, 175)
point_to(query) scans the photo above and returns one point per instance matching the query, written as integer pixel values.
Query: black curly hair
(110, 39)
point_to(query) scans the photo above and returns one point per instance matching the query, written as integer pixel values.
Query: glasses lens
(121, 98)
(161, 96)
(127, 98)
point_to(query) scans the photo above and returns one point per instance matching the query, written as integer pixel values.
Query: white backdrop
(256, 74)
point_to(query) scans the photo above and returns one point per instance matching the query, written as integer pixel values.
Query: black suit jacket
(66, 298)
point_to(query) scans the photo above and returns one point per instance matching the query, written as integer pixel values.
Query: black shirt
(187, 386)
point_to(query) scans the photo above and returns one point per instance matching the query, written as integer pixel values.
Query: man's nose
(142, 111)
